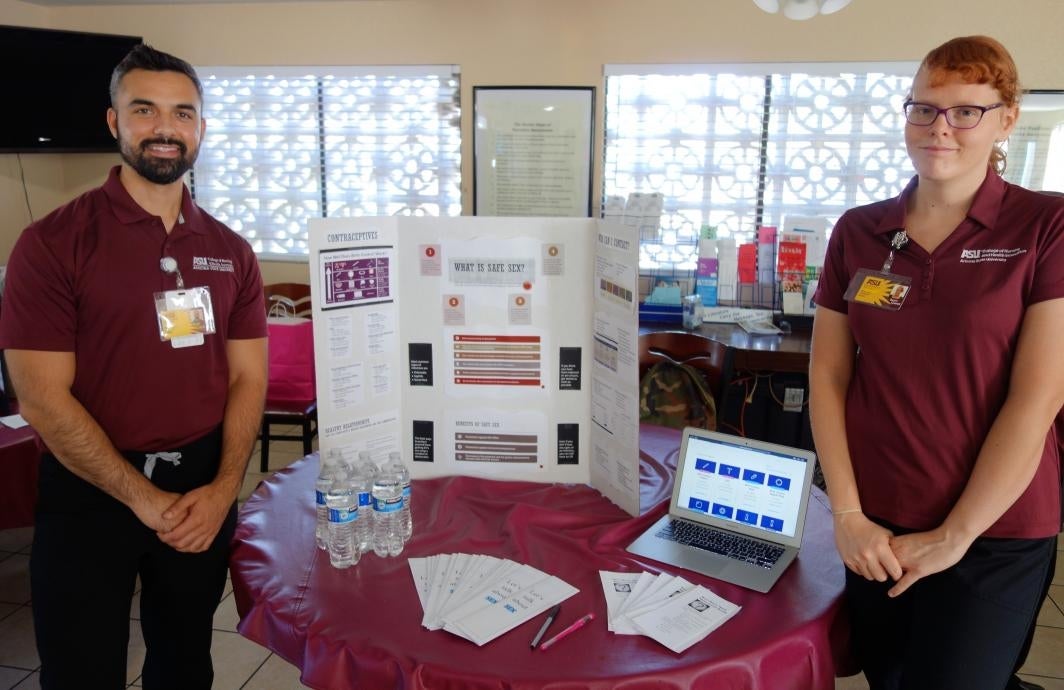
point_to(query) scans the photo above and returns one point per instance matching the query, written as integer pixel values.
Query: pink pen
(571, 629)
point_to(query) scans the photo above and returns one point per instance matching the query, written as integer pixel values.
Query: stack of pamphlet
(665, 608)
(481, 597)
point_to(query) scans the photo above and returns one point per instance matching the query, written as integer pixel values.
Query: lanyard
(899, 240)
(168, 264)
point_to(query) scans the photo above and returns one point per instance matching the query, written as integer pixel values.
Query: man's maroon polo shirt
(930, 378)
(82, 280)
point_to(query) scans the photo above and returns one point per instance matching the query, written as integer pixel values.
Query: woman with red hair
(936, 375)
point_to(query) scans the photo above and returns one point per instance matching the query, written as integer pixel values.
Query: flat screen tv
(56, 89)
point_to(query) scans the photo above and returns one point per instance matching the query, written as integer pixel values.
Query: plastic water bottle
(343, 516)
(395, 464)
(387, 504)
(365, 461)
(362, 483)
(321, 487)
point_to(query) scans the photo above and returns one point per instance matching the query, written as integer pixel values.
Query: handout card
(686, 618)
(666, 608)
(480, 597)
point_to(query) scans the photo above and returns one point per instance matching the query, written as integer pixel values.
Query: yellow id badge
(184, 316)
(878, 289)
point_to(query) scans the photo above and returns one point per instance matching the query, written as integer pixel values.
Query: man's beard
(153, 169)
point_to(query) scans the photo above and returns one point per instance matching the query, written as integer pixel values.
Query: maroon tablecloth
(361, 627)
(19, 455)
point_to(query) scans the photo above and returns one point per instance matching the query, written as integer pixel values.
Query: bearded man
(134, 329)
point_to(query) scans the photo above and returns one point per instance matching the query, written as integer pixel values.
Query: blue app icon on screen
(746, 516)
(729, 471)
(782, 483)
(698, 504)
(754, 476)
(723, 510)
(774, 524)
(705, 465)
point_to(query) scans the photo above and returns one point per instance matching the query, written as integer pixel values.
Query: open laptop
(737, 511)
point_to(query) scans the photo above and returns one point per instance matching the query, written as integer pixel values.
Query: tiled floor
(244, 665)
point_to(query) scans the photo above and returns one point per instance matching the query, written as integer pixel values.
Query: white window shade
(284, 145)
(738, 146)
(834, 142)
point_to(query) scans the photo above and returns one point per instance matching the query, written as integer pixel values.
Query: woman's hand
(925, 553)
(865, 547)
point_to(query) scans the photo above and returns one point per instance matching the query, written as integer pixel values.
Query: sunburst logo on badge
(875, 290)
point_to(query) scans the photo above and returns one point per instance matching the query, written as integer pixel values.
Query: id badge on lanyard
(185, 315)
(881, 289)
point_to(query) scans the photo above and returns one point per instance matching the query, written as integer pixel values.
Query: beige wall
(497, 42)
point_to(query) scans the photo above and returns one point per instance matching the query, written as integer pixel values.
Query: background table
(20, 452)
(361, 627)
(786, 352)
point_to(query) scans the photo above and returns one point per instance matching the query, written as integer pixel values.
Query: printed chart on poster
(356, 277)
(493, 347)
(356, 335)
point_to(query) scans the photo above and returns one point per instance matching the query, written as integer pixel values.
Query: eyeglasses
(958, 117)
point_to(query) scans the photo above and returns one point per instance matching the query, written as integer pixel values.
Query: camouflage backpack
(675, 395)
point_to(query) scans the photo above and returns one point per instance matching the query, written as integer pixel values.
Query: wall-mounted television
(56, 89)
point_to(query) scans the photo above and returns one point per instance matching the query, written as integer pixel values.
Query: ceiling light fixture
(801, 9)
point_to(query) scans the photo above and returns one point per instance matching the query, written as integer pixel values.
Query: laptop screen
(756, 488)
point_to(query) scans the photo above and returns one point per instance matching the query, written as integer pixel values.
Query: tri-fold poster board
(502, 348)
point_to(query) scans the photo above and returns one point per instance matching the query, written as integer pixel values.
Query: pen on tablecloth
(546, 624)
(571, 629)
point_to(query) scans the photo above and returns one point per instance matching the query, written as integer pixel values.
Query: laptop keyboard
(733, 546)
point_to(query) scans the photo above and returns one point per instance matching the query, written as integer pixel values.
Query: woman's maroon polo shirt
(82, 280)
(930, 378)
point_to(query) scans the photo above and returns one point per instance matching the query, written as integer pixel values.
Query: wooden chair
(712, 358)
(295, 298)
(289, 413)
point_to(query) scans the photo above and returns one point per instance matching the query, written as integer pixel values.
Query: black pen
(546, 624)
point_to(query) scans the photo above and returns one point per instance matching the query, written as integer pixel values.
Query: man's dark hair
(143, 56)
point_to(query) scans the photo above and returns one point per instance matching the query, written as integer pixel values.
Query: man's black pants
(88, 550)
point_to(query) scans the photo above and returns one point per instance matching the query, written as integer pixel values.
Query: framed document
(532, 150)
(1033, 162)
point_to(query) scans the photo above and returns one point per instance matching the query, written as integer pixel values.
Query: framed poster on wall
(532, 150)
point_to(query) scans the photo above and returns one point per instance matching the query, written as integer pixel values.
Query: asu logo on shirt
(209, 263)
(979, 256)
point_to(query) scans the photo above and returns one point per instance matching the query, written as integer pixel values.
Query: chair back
(682, 378)
(711, 358)
(288, 299)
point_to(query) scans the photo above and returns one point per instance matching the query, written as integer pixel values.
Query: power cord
(25, 189)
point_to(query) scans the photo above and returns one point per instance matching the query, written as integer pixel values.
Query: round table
(361, 627)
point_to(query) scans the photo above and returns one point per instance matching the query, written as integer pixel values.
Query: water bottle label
(365, 498)
(406, 491)
(319, 497)
(388, 506)
(340, 515)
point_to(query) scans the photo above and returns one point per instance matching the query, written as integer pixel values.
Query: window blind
(738, 146)
(286, 144)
